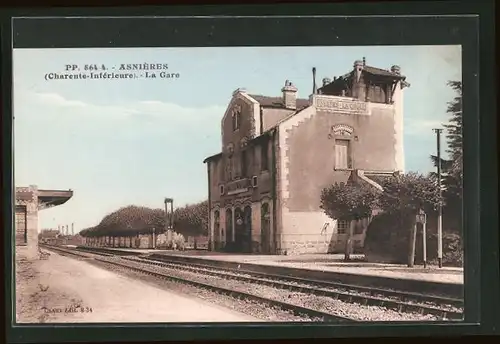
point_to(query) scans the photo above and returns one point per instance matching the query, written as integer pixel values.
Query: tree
(406, 194)
(128, 221)
(452, 168)
(192, 219)
(351, 201)
(132, 220)
(404, 197)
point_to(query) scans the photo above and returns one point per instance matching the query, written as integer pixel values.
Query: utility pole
(154, 238)
(440, 206)
(169, 218)
(413, 239)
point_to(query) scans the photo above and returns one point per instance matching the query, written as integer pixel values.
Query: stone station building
(278, 153)
(30, 200)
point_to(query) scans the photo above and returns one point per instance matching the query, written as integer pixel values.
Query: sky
(136, 141)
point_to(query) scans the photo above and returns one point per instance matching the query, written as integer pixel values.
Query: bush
(453, 254)
(386, 242)
(178, 241)
(387, 238)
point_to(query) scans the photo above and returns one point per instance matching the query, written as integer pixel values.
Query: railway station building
(278, 153)
(29, 201)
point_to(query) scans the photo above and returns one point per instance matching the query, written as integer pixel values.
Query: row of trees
(190, 220)
(403, 196)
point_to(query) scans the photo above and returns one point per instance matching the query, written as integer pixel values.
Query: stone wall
(30, 251)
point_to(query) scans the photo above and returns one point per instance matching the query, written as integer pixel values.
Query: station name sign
(24, 195)
(238, 186)
(337, 104)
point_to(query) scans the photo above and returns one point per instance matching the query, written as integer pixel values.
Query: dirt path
(62, 289)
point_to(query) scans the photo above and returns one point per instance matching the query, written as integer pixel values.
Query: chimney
(72, 228)
(239, 90)
(364, 61)
(289, 95)
(358, 67)
(396, 70)
(315, 89)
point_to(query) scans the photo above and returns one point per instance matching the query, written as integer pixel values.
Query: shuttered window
(341, 154)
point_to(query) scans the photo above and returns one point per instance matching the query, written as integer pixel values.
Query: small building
(30, 200)
(278, 153)
(48, 236)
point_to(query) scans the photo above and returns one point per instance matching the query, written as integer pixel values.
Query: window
(264, 160)
(236, 119)
(220, 166)
(244, 165)
(216, 226)
(229, 169)
(342, 226)
(342, 154)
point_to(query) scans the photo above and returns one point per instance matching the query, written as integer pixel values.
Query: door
(229, 229)
(247, 234)
(21, 229)
(265, 237)
(216, 234)
(239, 230)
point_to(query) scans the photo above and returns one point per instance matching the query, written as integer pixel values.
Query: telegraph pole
(169, 218)
(440, 206)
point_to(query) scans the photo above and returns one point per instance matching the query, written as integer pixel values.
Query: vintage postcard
(238, 184)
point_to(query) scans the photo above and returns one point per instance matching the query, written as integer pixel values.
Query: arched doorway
(238, 230)
(229, 229)
(265, 232)
(247, 229)
(216, 236)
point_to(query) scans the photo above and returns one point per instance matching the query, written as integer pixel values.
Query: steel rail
(297, 310)
(364, 300)
(404, 296)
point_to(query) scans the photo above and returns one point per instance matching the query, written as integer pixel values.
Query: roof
(370, 70)
(376, 71)
(54, 197)
(381, 72)
(277, 102)
(256, 139)
(212, 157)
(379, 177)
(380, 180)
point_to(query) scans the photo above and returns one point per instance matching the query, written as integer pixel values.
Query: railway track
(402, 302)
(143, 268)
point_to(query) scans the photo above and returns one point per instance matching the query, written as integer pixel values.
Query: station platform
(446, 280)
(46, 289)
